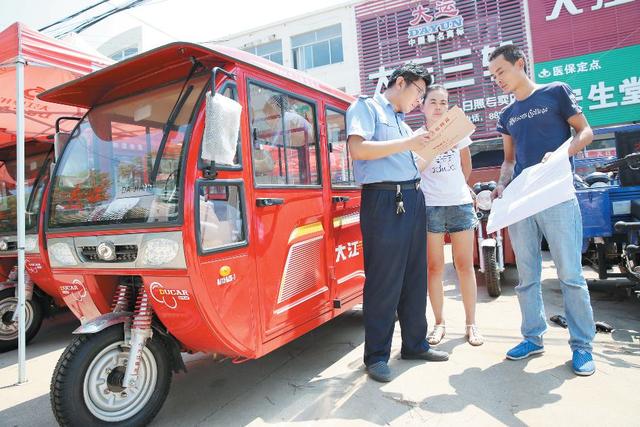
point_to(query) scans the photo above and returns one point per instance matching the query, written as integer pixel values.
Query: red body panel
(251, 309)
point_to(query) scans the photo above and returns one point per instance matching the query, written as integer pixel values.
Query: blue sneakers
(583, 364)
(524, 350)
(380, 372)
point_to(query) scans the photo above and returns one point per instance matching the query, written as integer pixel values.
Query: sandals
(473, 335)
(436, 335)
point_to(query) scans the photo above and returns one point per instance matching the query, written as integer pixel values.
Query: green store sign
(607, 84)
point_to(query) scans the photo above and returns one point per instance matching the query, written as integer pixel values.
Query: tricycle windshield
(36, 155)
(123, 162)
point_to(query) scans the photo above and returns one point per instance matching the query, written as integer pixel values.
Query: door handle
(340, 199)
(264, 202)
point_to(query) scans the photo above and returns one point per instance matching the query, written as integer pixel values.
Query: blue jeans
(561, 225)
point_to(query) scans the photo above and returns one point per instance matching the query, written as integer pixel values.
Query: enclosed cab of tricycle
(190, 245)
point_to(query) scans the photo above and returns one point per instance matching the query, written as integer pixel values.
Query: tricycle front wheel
(34, 314)
(86, 388)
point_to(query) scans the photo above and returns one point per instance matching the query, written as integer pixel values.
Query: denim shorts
(451, 219)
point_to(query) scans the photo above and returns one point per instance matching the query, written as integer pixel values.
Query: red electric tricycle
(42, 298)
(186, 248)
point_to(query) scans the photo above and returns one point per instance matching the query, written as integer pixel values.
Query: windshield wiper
(182, 98)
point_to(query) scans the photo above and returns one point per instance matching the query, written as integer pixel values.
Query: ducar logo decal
(76, 289)
(168, 297)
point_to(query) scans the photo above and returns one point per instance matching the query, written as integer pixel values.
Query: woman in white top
(450, 209)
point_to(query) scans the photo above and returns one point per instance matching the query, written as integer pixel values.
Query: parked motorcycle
(490, 245)
(610, 216)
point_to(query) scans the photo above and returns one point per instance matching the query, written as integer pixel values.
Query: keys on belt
(397, 187)
(399, 202)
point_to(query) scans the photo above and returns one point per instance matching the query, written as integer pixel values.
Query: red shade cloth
(50, 62)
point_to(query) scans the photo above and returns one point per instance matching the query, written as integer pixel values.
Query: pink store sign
(453, 39)
(565, 28)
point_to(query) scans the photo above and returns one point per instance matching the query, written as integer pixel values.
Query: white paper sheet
(537, 188)
(467, 141)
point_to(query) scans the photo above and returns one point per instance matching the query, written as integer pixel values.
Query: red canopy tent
(31, 63)
(49, 62)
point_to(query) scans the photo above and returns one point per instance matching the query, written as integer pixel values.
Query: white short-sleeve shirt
(443, 183)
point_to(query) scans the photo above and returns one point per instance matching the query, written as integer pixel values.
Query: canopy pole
(21, 208)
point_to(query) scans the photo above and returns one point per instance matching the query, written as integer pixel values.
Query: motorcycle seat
(623, 227)
(596, 177)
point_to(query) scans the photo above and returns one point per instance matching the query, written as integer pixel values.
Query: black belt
(393, 186)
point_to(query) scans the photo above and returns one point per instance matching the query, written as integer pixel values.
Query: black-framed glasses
(421, 92)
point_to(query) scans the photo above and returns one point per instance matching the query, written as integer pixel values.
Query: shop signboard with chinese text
(565, 28)
(453, 39)
(606, 84)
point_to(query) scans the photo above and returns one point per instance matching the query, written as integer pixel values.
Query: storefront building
(594, 46)
(454, 40)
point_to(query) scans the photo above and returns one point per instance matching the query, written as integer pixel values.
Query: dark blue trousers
(395, 265)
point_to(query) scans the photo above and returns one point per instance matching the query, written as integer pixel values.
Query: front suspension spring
(121, 298)
(143, 314)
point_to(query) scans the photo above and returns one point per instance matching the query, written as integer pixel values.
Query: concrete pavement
(319, 379)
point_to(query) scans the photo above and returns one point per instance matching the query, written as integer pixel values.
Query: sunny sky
(189, 20)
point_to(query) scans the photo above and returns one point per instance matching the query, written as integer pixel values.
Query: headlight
(159, 251)
(31, 243)
(3, 245)
(483, 200)
(62, 253)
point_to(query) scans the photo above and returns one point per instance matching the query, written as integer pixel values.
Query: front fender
(102, 322)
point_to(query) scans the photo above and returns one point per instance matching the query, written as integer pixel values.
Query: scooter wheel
(491, 272)
(86, 388)
(34, 313)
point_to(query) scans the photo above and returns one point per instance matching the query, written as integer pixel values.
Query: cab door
(290, 224)
(347, 254)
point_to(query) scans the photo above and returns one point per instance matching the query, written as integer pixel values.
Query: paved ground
(319, 379)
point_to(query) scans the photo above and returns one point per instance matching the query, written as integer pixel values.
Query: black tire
(68, 383)
(491, 272)
(35, 315)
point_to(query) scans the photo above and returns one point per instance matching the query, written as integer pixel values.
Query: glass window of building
(271, 51)
(317, 48)
(124, 53)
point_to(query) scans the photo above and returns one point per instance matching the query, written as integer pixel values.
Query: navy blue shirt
(538, 124)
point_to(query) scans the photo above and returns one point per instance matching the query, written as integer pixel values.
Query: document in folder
(452, 128)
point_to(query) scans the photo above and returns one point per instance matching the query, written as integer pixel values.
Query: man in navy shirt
(534, 125)
(392, 219)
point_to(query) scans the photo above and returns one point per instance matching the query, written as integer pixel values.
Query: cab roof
(165, 64)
